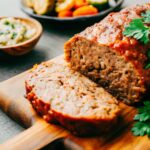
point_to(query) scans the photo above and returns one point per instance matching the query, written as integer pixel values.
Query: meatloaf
(61, 95)
(102, 53)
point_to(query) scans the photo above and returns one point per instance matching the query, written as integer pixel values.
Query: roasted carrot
(65, 13)
(85, 10)
(80, 3)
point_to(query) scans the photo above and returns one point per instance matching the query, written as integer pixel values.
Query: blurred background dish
(69, 13)
(18, 35)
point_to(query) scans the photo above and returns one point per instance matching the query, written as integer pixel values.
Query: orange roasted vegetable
(80, 3)
(85, 10)
(65, 13)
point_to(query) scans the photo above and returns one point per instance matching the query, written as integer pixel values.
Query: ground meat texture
(115, 62)
(61, 95)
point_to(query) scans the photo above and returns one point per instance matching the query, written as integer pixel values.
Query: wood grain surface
(40, 133)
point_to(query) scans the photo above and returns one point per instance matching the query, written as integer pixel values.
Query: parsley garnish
(13, 35)
(138, 29)
(6, 22)
(1, 33)
(9, 24)
(146, 16)
(12, 26)
(142, 127)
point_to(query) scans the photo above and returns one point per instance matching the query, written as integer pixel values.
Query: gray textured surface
(50, 45)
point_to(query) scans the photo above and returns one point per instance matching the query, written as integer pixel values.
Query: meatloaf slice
(116, 62)
(61, 95)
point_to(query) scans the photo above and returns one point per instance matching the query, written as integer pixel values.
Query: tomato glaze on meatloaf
(114, 61)
(61, 95)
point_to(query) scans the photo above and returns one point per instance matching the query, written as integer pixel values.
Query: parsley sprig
(142, 127)
(138, 29)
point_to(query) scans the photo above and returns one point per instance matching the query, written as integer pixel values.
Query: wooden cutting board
(40, 133)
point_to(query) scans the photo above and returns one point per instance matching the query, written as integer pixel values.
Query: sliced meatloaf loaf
(116, 62)
(61, 95)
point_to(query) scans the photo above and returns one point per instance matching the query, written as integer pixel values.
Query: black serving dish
(113, 6)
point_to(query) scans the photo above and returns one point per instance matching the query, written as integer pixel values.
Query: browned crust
(108, 33)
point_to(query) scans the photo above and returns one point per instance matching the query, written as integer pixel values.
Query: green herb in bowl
(18, 35)
(13, 31)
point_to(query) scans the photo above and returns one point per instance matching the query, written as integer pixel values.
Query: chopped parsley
(6, 22)
(12, 26)
(142, 127)
(14, 31)
(1, 33)
(14, 35)
(9, 24)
